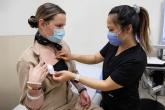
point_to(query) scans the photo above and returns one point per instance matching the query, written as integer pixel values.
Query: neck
(128, 43)
(44, 34)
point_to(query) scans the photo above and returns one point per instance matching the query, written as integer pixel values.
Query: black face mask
(41, 40)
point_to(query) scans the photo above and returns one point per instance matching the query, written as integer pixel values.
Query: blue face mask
(57, 36)
(113, 39)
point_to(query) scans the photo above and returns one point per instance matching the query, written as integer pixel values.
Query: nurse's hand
(85, 100)
(63, 54)
(63, 76)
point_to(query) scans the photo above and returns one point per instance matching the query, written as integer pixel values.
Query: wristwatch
(81, 89)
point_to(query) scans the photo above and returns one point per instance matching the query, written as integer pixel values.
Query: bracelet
(77, 78)
(31, 88)
(32, 97)
(33, 83)
(82, 89)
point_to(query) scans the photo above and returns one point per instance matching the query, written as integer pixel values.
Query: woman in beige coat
(38, 89)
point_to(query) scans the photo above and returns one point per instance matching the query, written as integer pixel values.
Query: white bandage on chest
(50, 69)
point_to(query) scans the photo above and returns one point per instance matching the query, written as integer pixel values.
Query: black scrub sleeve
(105, 49)
(128, 73)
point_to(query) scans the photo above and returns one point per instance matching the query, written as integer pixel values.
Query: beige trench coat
(57, 96)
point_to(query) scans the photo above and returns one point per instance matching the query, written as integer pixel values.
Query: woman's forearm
(103, 85)
(94, 83)
(87, 59)
(34, 104)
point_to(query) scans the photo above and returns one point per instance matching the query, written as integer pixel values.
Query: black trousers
(109, 103)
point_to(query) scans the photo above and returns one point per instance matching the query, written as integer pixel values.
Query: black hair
(138, 17)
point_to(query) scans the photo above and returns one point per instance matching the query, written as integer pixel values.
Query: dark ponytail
(144, 29)
(139, 19)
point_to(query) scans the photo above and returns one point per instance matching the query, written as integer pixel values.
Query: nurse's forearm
(87, 59)
(103, 85)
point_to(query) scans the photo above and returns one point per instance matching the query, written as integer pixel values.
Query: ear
(129, 28)
(41, 23)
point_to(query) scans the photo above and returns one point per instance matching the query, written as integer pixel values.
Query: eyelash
(110, 29)
(59, 25)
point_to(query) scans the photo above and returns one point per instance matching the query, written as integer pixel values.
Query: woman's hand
(37, 74)
(63, 76)
(66, 55)
(85, 100)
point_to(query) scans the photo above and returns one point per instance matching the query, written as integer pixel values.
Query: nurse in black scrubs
(124, 59)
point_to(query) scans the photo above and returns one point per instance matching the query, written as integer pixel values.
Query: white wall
(86, 20)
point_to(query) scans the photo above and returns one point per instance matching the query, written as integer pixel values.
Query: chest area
(112, 62)
(48, 56)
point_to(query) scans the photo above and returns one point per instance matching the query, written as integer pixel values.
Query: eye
(111, 30)
(59, 25)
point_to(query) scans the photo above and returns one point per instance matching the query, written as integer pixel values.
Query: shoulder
(140, 55)
(134, 59)
(28, 55)
(136, 54)
(108, 45)
(108, 49)
(65, 45)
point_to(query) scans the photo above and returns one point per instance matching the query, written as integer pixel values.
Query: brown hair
(138, 17)
(46, 12)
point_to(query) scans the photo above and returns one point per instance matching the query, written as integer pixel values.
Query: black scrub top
(126, 70)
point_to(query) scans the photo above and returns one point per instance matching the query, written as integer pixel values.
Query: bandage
(50, 69)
